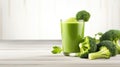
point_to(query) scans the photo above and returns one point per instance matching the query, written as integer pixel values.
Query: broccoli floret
(97, 37)
(56, 50)
(114, 36)
(82, 16)
(87, 46)
(106, 49)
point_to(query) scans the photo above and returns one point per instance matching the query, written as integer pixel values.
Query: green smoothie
(72, 33)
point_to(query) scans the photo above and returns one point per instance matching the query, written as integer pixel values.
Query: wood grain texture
(35, 53)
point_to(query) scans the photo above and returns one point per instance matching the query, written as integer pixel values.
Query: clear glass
(72, 33)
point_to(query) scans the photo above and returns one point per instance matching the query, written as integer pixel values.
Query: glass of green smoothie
(72, 32)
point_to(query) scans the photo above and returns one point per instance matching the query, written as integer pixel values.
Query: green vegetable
(82, 16)
(87, 46)
(97, 37)
(99, 34)
(114, 36)
(106, 49)
(56, 50)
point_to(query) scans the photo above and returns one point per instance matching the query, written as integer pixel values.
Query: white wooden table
(35, 55)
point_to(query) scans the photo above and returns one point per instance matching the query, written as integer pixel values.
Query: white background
(40, 19)
(16, 23)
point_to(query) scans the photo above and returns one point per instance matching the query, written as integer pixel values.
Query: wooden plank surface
(37, 53)
(44, 56)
